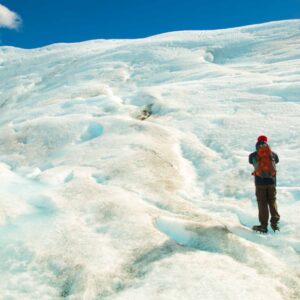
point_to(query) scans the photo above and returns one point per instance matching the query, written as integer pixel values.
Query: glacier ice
(98, 202)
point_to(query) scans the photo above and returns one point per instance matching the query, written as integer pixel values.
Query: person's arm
(276, 158)
(251, 158)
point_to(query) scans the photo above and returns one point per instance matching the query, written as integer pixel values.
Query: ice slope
(124, 166)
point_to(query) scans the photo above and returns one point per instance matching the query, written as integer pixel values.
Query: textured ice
(124, 166)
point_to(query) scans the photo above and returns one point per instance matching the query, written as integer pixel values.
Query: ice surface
(124, 166)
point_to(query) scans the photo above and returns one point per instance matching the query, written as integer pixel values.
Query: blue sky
(43, 22)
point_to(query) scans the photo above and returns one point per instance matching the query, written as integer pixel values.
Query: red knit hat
(262, 138)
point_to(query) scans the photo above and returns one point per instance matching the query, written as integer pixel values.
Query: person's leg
(262, 201)
(275, 217)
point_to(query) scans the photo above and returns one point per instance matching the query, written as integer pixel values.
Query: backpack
(264, 166)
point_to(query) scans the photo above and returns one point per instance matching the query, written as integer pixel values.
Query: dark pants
(266, 200)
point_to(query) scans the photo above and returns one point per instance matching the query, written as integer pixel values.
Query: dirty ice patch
(205, 235)
(199, 275)
(209, 235)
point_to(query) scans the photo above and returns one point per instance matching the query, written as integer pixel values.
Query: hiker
(264, 161)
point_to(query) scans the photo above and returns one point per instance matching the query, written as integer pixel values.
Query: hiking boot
(275, 227)
(260, 228)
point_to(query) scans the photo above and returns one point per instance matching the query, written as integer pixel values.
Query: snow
(124, 166)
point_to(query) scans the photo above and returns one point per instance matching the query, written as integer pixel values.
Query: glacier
(124, 166)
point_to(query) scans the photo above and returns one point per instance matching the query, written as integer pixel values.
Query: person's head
(261, 140)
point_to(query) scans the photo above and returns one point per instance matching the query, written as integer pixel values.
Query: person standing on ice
(264, 162)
